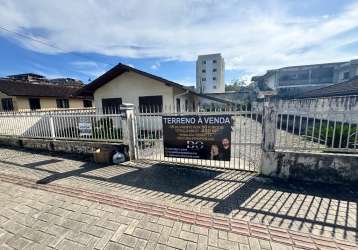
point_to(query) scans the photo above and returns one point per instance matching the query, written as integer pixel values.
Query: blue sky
(165, 37)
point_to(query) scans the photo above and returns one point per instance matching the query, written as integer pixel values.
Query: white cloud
(155, 66)
(253, 36)
(90, 68)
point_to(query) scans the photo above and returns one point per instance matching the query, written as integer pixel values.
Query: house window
(34, 103)
(203, 79)
(151, 104)
(203, 71)
(62, 103)
(87, 103)
(214, 78)
(204, 62)
(111, 105)
(7, 104)
(346, 75)
(214, 61)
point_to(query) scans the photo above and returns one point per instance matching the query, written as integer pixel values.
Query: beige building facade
(124, 84)
(132, 87)
(19, 95)
(23, 103)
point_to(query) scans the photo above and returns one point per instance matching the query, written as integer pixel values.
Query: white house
(125, 84)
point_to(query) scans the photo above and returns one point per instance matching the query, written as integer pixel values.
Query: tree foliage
(235, 85)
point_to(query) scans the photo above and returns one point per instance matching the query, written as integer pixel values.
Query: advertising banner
(198, 137)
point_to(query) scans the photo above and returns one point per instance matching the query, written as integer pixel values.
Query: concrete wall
(308, 166)
(78, 147)
(330, 168)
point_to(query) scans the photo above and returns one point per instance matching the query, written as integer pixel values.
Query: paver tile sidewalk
(236, 202)
(34, 216)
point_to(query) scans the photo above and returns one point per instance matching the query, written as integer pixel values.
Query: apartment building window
(214, 61)
(203, 71)
(151, 104)
(214, 78)
(214, 87)
(346, 75)
(7, 104)
(111, 105)
(203, 79)
(87, 103)
(62, 103)
(204, 62)
(214, 70)
(34, 103)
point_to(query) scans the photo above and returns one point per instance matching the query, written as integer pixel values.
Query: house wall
(22, 103)
(130, 86)
(76, 103)
(185, 97)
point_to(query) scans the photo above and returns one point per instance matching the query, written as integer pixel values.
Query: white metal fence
(71, 125)
(326, 124)
(300, 125)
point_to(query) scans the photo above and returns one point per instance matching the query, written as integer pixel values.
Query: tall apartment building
(210, 74)
(294, 80)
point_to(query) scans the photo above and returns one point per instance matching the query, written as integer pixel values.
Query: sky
(84, 38)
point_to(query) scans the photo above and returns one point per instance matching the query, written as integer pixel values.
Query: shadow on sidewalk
(320, 209)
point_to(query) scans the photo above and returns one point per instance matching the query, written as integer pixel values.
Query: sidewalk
(225, 209)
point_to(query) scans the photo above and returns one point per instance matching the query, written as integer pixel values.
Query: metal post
(52, 128)
(129, 129)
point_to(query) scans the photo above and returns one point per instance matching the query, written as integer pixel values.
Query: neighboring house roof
(120, 68)
(271, 71)
(25, 75)
(339, 89)
(12, 87)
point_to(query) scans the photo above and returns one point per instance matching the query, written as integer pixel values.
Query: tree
(235, 85)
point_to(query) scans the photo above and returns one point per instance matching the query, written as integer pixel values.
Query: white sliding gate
(246, 136)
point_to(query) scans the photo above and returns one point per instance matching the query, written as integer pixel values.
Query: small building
(34, 92)
(125, 84)
(210, 71)
(346, 88)
(293, 81)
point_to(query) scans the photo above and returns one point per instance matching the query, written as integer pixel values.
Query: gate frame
(267, 144)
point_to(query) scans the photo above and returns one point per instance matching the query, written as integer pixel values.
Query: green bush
(334, 134)
(104, 129)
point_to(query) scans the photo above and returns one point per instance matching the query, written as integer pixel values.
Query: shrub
(342, 132)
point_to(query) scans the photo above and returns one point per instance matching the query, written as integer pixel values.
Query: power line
(47, 44)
